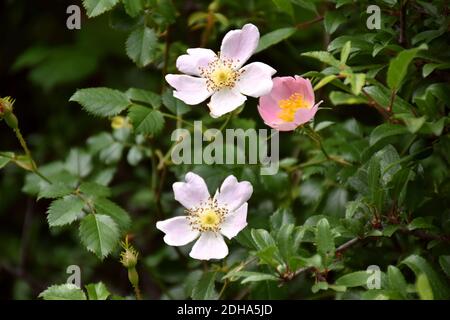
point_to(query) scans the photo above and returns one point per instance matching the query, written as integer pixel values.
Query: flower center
(207, 217)
(290, 106)
(220, 74)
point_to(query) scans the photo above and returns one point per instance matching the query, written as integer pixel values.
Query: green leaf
(345, 52)
(103, 102)
(357, 81)
(285, 6)
(176, 106)
(444, 261)
(133, 7)
(339, 98)
(99, 233)
(306, 4)
(398, 66)
(112, 154)
(423, 287)
(430, 67)
(324, 238)
(332, 20)
(397, 283)
(134, 156)
(262, 239)
(54, 190)
(146, 120)
(97, 291)
(205, 288)
(64, 211)
(421, 223)
(324, 57)
(437, 283)
(95, 189)
(148, 97)
(374, 184)
(386, 130)
(251, 276)
(5, 158)
(141, 46)
(79, 163)
(99, 142)
(281, 217)
(109, 208)
(97, 7)
(274, 37)
(66, 291)
(324, 81)
(354, 279)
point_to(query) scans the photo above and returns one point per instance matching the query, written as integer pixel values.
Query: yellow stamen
(290, 106)
(209, 219)
(219, 74)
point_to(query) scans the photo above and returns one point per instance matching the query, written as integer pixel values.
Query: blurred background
(42, 64)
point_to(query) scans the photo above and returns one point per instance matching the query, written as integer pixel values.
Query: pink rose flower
(222, 77)
(208, 219)
(289, 104)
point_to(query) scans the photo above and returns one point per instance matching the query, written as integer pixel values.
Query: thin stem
(222, 291)
(171, 116)
(137, 292)
(27, 151)
(308, 23)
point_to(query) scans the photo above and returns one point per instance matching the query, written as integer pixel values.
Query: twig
(308, 23)
(402, 37)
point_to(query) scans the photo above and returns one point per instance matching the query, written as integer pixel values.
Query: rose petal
(240, 44)
(233, 194)
(224, 101)
(234, 222)
(268, 109)
(178, 231)
(195, 59)
(304, 115)
(191, 193)
(303, 87)
(209, 246)
(189, 89)
(284, 126)
(281, 88)
(256, 79)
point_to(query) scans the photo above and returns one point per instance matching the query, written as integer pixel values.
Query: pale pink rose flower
(222, 77)
(289, 104)
(208, 219)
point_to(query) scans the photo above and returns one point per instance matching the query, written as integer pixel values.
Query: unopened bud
(133, 277)
(6, 105)
(11, 120)
(129, 257)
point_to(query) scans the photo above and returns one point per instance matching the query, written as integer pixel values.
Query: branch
(308, 23)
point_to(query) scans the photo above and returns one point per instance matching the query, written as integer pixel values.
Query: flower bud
(129, 257)
(6, 105)
(11, 120)
(133, 277)
(119, 122)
